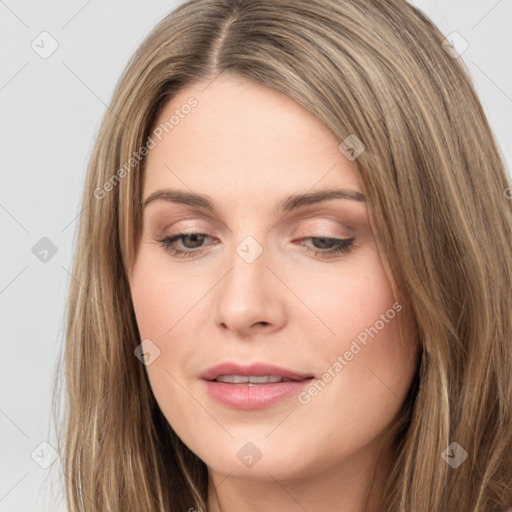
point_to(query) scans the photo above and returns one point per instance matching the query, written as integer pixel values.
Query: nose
(251, 299)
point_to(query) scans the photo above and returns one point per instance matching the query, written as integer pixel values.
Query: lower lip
(257, 396)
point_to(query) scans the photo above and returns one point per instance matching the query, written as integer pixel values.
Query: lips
(255, 386)
(232, 370)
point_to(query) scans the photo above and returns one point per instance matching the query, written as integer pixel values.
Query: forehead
(243, 138)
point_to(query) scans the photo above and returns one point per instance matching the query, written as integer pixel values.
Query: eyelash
(342, 245)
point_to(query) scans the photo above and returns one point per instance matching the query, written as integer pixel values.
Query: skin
(248, 147)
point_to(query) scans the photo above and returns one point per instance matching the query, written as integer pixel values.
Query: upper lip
(255, 369)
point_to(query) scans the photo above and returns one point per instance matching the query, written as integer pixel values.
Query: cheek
(166, 305)
(160, 301)
(347, 302)
(366, 341)
(159, 298)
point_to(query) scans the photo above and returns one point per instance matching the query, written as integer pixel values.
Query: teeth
(244, 379)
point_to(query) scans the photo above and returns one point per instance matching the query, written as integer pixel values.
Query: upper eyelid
(320, 216)
(356, 218)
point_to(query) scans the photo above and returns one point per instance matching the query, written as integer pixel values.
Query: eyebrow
(292, 202)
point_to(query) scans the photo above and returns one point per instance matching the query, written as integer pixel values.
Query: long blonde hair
(436, 187)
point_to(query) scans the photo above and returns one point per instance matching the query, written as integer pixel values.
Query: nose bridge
(248, 274)
(251, 249)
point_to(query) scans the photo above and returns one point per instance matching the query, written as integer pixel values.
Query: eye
(193, 243)
(196, 240)
(334, 246)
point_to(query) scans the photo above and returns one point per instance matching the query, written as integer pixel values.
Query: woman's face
(258, 281)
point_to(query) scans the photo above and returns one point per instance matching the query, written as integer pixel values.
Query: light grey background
(50, 114)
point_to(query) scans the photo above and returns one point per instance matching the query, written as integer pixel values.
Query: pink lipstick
(254, 386)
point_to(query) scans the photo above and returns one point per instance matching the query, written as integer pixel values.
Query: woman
(292, 279)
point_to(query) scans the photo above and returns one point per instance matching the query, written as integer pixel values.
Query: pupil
(324, 243)
(195, 238)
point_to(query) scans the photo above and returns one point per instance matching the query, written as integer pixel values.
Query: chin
(258, 460)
